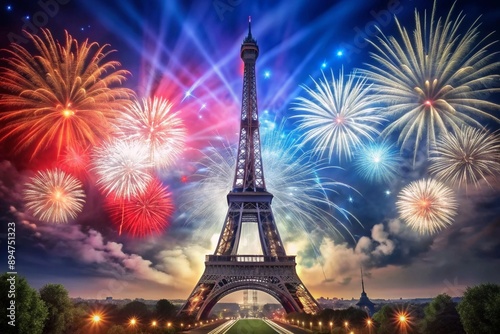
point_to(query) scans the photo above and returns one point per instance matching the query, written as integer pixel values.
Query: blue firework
(377, 162)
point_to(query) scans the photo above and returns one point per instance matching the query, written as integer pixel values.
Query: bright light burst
(300, 194)
(145, 214)
(54, 196)
(427, 206)
(377, 162)
(122, 168)
(338, 117)
(153, 122)
(436, 81)
(468, 156)
(63, 95)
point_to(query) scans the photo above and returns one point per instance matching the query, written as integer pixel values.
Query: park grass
(250, 326)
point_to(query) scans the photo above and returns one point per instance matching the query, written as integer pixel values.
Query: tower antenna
(362, 282)
(250, 26)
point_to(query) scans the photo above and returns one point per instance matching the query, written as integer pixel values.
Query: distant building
(364, 302)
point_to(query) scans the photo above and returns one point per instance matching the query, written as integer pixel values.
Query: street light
(331, 326)
(96, 319)
(320, 327)
(369, 325)
(403, 321)
(346, 324)
(153, 323)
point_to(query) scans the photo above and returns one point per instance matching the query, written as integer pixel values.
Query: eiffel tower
(249, 203)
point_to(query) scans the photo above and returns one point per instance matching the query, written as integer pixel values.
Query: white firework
(338, 116)
(467, 156)
(153, 122)
(435, 79)
(54, 196)
(122, 168)
(290, 174)
(427, 206)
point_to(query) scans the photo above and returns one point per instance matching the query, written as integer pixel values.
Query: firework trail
(377, 162)
(427, 206)
(54, 196)
(436, 81)
(63, 95)
(290, 173)
(338, 116)
(467, 156)
(145, 214)
(152, 122)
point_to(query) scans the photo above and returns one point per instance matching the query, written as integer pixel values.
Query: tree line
(478, 312)
(51, 311)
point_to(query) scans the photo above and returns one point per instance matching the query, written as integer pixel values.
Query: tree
(135, 309)
(165, 309)
(387, 319)
(30, 311)
(479, 309)
(79, 319)
(441, 317)
(59, 306)
(383, 319)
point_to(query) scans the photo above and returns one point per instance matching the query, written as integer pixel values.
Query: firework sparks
(468, 156)
(338, 117)
(54, 196)
(64, 95)
(427, 206)
(289, 173)
(153, 122)
(145, 214)
(75, 160)
(436, 81)
(377, 162)
(122, 168)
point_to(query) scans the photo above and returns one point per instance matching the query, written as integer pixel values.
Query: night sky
(188, 53)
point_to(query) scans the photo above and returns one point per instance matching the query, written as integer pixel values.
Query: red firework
(143, 215)
(75, 160)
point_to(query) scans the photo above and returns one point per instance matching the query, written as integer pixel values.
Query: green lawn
(250, 326)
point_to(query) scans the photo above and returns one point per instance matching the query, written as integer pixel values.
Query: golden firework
(62, 95)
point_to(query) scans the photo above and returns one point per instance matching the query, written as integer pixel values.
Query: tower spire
(362, 282)
(365, 302)
(249, 38)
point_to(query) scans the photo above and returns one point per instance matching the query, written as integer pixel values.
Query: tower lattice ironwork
(249, 203)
